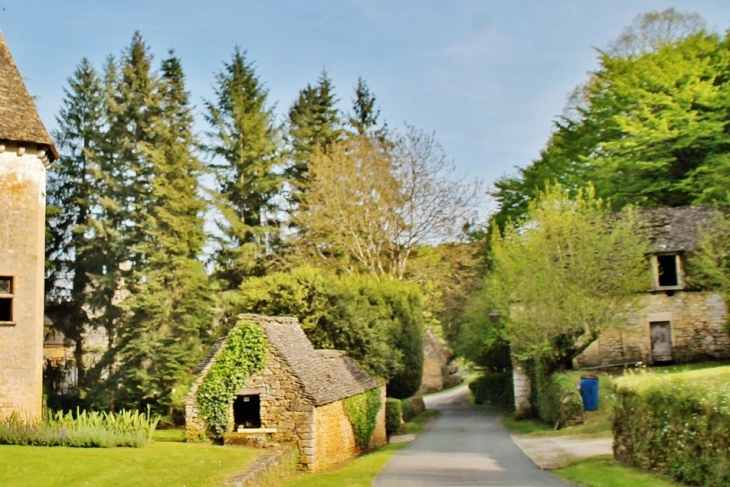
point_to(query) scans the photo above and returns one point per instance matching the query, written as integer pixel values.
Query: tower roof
(19, 120)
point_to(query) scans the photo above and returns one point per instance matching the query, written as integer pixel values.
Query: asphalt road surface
(463, 447)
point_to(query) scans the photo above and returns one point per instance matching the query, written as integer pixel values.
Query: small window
(667, 269)
(6, 299)
(247, 411)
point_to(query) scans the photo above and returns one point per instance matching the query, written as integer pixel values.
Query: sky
(488, 77)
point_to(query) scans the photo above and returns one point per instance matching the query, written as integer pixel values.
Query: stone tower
(25, 152)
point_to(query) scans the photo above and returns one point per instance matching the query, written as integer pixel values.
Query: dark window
(6, 298)
(247, 411)
(667, 270)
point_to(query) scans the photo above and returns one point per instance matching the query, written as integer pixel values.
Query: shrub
(495, 389)
(393, 415)
(362, 412)
(83, 429)
(678, 424)
(558, 400)
(412, 407)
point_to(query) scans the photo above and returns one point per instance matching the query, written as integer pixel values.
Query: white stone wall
(22, 257)
(523, 389)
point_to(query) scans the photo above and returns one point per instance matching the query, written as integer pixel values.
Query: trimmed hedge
(495, 390)
(393, 415)
(412, 407)
(558, 400)
(677, 425)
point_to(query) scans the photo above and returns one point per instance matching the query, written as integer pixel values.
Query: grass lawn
(603, 471)
(358, 472)
(160, 464)
(416, 424)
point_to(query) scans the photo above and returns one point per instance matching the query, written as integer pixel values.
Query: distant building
(675, 321)
(25, 152)
(296, 398)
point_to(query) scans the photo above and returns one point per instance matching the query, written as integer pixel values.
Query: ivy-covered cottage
(676, 320)
(265, 382)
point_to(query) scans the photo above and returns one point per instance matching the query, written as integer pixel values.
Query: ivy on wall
(362, 412)
(244, 354)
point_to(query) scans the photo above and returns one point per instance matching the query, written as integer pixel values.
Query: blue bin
(589, 392)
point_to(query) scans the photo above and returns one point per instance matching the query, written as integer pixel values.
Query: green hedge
(393, 415)
(495, 390)
(558, 400)
(412, 407)
(678, 425)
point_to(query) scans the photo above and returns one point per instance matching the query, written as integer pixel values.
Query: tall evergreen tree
(74, 182)
(244, 141)
(365, 113)
(314, 125)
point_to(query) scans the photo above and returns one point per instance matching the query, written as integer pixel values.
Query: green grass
(160, 464)
(603, 471)
(416, 424)
(358, 472)
(169, 435)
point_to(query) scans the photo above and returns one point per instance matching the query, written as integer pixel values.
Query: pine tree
(72, 249)
(364, 117)
(314, 125)
(244, 141)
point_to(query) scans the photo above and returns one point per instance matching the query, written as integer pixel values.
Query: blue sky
(487, 76)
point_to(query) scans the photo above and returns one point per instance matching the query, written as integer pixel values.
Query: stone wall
(22, 220)
(380, 437)
(523, 389)
(335, 439)
(698, 331)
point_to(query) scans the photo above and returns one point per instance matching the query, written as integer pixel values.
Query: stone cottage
(296, 398)
(26, 150)
(675, 321)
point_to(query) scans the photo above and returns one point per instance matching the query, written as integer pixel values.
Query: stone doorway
(247, 411)
(661, 341)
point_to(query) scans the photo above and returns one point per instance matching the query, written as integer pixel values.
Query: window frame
(10, 297)
(678, 267)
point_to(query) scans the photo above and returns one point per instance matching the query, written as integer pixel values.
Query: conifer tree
(244, 142)
(364, 117)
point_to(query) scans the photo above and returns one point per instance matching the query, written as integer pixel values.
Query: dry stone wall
(698, 331)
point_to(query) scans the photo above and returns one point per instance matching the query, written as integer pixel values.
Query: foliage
(378, 323)
(604, 471)
(362, 412)
(371, 202)
(161, 464)
(709, 267)
(412, 407)
(393, 415)
(83, 429)
(558, 400)
(676, 424)
(244, 354)
(495, 389)
(564, 274)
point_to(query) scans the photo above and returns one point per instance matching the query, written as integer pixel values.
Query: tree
(370, 203)
(245, 144)
(652, 30)
(364, 117)
(563, 274)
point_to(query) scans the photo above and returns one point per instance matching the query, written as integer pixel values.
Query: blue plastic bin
(589, 392)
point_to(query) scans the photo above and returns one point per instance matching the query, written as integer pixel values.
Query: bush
(495, 390)
(393, 415)
(84, 430)
(412, 407)
(677, 425)
(362, 412)
(558, 400)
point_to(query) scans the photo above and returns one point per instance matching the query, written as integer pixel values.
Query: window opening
(667, 270)
(247, 411)
(6, 298)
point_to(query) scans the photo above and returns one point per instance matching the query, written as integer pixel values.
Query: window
(247, 411)
(667, 271)
(6, 299)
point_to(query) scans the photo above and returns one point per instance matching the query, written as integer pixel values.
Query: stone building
(675, 321)
(296, 398)
(26, 150)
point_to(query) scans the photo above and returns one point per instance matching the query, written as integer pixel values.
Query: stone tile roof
(674, 229)
(326, 376)
(19, 120)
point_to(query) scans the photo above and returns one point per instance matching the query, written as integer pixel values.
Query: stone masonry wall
(698, 331)
(335, 439)
(22, 220)
(380, 437)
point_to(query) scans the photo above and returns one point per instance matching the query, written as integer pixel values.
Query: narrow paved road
(464, 446)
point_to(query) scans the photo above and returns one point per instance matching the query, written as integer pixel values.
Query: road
(464, 446)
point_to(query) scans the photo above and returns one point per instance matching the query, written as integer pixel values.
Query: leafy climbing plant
(244, 354)
(362, 412)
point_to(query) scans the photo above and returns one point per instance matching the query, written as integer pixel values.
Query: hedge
(393, 415)
(558, 400)
(495, 390)
(677, 425)
(412, 407)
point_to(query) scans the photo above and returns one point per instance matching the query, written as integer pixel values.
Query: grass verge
(604, 471)
(417, 423)
(162, 464)
(358, 472)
